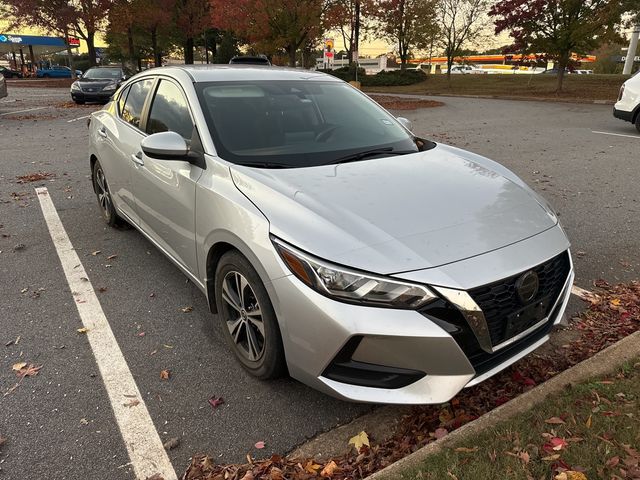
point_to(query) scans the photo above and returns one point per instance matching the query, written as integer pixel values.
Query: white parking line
(22, 111)
(143, 443)
(79, 118)
(616, 134)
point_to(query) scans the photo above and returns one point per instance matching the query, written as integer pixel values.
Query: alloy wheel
(243, 316)
(102, 190)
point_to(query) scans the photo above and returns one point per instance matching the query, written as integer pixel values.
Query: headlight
(75, 86)
(352, 286)
(109, 88)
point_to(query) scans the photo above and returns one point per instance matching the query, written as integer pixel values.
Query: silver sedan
(332, 243)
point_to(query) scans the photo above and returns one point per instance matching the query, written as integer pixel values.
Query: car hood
(397, 214)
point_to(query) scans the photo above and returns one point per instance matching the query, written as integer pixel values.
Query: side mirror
(405, 122)
(165, 146)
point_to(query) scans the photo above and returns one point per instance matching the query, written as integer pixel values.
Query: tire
(46, 75)
(638, 121)
(101, 187)
(79, 102)
(253, 337)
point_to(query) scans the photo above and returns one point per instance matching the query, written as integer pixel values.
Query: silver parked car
(332, 243)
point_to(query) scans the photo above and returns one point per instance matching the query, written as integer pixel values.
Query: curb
(601, 363)
(498, 97)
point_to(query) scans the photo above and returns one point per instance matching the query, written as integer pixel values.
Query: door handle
(102, 131)
(137, 158)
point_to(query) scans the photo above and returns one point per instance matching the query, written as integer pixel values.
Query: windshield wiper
(354, 157)
(266, 165)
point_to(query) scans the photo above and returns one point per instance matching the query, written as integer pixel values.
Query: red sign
(328, 54)
(73, 42)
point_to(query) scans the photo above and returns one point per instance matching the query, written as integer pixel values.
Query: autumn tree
(155, 20)
(271, 25)
(461, 22)
(346, 16)
(557, 28)
(409, 24)
(192, 18)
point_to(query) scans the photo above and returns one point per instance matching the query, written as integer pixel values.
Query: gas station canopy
(40, 45)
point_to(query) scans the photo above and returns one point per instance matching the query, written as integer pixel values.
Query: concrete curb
(497, 97)
(601, 363)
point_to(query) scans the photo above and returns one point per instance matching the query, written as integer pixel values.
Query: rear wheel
(101, 187)
(638, 121)
(247, 318)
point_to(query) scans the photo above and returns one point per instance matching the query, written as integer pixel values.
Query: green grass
(601, 418)
(576, 87)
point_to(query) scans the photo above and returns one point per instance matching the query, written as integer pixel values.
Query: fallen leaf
(248, 475)
(312, 467)
(102, 289)
(97, 252)
(132, 403)
(570, 475)
(141, 334)
(84, 421)
(171, 443)
(466, 449)
(215, 402)
(554, 421)
(359, 440)
(111, 257)
(525, 457)
(3, 440)
(29, 371)
(165, 374)
(19, 366)
(557, 443)
(588, 422)
(259, 445)
(329, 469)
(615, 301)
(186, 309)
(82, 330)
(440, 432)
(551, 458)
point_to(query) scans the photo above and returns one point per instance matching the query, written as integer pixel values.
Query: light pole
(631, 53)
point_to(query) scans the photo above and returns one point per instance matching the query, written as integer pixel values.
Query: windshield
(298, 123)
(103, 73)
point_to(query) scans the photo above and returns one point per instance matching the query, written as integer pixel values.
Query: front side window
(133, 105)
(297, 123)
(169, 111)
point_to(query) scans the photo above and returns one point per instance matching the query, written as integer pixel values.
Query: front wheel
(79, 102)
(247, 318)
(638, 122)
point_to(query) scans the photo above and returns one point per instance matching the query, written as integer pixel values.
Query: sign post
(327, 56)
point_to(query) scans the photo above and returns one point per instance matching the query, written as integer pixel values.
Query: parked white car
(466, 69)
(628, 105)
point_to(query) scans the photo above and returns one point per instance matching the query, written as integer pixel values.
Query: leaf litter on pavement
(602, 324)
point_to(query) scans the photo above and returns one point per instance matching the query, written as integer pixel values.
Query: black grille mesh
(499, 300)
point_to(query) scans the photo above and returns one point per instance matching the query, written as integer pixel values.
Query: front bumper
(394, 356)
(83, 96)
(623, 115)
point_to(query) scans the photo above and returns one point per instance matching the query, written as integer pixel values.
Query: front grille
(499, 300)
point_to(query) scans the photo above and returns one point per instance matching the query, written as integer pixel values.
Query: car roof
(235, 72)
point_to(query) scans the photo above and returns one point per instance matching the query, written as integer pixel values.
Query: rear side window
(169, 111)
(133, 105)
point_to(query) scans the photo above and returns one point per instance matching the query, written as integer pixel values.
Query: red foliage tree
(271, 25)
(557, 28)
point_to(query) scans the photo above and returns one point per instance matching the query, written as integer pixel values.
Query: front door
(165, 190)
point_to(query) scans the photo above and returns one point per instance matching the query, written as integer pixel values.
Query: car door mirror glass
(165, 146)
(405, 122)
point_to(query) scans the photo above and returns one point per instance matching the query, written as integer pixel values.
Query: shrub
(381, 79)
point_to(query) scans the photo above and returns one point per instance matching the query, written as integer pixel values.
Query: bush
(381, 79)
(393, 77)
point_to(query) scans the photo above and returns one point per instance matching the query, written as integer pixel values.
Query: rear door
(165, 189)
(119, 137)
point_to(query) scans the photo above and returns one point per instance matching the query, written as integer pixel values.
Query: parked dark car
(10, 73)
(250, 60)
(98, 84)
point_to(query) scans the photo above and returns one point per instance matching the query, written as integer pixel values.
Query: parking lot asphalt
(60, 424)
